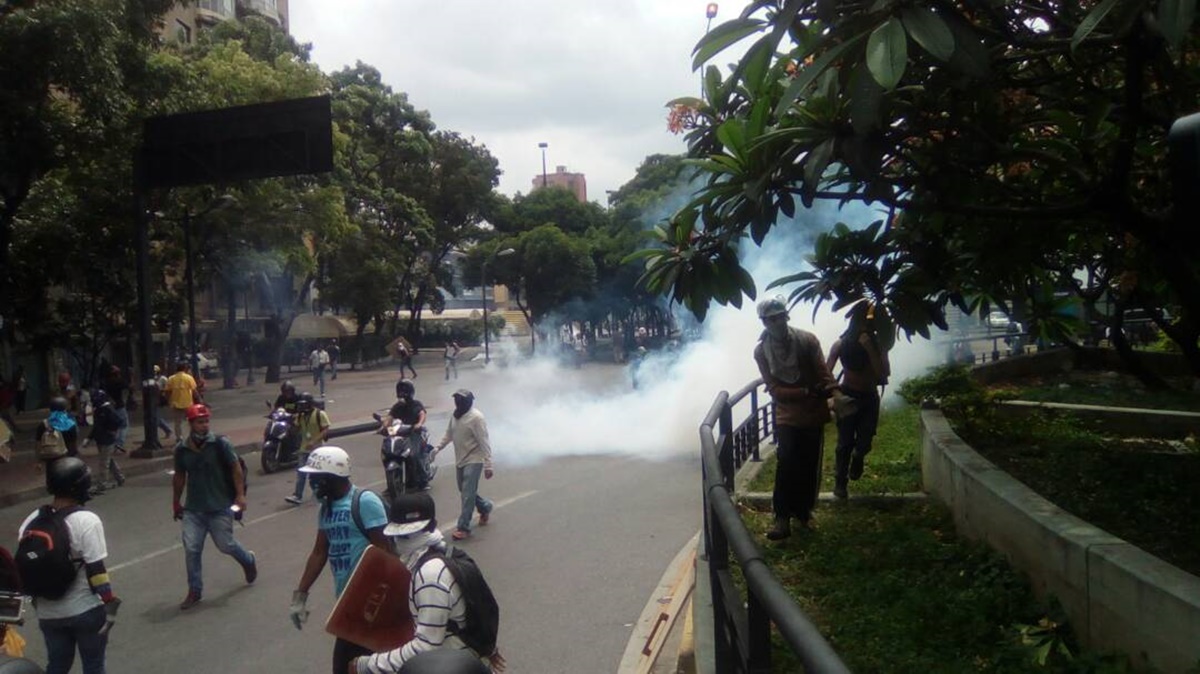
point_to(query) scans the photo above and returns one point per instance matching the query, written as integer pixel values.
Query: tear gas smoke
(547, 410)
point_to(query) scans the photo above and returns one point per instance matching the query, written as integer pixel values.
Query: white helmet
(772, 306)
(329, 460)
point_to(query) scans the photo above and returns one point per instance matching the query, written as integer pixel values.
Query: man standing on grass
(793, 368)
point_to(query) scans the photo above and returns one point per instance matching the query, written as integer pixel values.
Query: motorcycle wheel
(395, 482)
(270, 457)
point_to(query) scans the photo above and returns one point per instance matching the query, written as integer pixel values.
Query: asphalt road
(574, 552)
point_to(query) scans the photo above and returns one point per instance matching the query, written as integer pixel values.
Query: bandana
(783, 355)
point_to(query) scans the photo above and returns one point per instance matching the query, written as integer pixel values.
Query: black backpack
(44, 554)
(483, 613)
(222, 443)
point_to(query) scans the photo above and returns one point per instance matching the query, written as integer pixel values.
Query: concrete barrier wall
(1117, 596)
(1128, 421)
(1064, 359)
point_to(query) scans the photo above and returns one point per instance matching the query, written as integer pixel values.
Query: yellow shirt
(310, 426)
(180, 390)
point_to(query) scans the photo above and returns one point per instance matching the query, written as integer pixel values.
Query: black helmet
(304, 402)
(287, 386)
(58, 404)
(405, 387)
(70, 477)
(100, 397)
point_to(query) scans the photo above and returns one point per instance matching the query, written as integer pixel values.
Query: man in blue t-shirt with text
(340, 540)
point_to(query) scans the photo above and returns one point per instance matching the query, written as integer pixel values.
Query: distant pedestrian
(341, 538)
(865, 369)
(22, 388)
(405, 359)
(76, 611)
(58, 435)
(793, 368)
(335, 356)
(160, 385)
(450, 355)
(181, 394)
(313, 425)
(472, 457)
(639, 361)
(117, 388)
(69, 392)
(208, 468)
(106, 428)
(318, 360)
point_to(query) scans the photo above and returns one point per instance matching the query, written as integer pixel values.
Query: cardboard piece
(373, 609)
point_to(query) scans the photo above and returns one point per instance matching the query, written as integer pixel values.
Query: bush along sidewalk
(894, 589)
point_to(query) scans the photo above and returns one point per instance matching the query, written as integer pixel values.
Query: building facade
(575, 182)
(185, 21)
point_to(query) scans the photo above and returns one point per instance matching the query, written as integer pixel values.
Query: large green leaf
(812, 71)
(930, 31)
(1175, 18)
(722, 37)
(887, 53)
(1092, 21)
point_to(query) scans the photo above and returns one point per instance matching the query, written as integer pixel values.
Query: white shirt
(317, 358)
(87, 545)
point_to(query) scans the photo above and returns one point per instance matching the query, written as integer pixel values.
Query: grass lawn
(895, 590)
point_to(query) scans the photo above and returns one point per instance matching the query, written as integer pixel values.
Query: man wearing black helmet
(313, 425)
(287, 397)
(85, 610)
(472, 456)
(410, 411)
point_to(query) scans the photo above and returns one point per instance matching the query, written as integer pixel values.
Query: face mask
(777, 329)
(461, 406)
(406, 545)
(198, 438)
(320, 487)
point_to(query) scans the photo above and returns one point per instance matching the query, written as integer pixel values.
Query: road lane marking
(179, 546)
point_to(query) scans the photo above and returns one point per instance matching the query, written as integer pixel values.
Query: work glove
(110, 615)
(487, 473)
(299, 613)
(844, 406)
(177, 511)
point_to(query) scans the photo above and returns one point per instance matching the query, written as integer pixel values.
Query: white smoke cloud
(546, 412)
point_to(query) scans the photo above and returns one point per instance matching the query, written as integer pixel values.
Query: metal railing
(742, 628)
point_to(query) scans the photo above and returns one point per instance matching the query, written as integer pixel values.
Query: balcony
(215, 11)
(269, 9)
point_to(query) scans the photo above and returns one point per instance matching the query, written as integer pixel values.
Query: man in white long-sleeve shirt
(435, 599)
(472, 455)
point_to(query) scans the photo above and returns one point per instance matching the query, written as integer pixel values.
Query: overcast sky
(589, 78)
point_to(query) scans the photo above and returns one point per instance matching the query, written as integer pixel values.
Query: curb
(671, 597)
(131, 468)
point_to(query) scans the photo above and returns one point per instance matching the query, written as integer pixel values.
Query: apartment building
(575, 182)
(184, 21)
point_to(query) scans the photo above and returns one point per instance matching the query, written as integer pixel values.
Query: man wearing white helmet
(350, 519)
(793, 368)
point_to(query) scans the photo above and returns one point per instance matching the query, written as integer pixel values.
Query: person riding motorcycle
(408, 410)
(287, 397)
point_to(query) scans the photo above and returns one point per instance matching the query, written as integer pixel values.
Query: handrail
(742, 630)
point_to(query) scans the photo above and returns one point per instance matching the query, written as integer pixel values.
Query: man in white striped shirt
(435, 599)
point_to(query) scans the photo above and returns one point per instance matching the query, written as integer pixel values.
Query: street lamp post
(193, 357)
(543, 145)
(487, 356)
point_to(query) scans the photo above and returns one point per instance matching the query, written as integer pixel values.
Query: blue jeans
(123, 431)
(63, 635)
(468, 486)
(218, 524)
(319, 379)
(301, 478)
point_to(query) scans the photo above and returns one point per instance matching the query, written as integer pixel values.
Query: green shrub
(941, 383)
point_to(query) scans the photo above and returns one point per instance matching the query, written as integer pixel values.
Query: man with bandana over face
(472, 456)
(793, 368)
(341, 540)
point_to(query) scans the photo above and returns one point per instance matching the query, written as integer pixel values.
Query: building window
(183, 32)
(222, 7)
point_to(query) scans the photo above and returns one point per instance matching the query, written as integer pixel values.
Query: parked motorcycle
(281, 441)
(396, 453)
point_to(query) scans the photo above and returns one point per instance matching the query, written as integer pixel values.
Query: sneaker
(293, 499)
(251, 569)
(856, 466)
(189, 601)
(121, 480)
(484, 518)
(839, 492)
(460, 535)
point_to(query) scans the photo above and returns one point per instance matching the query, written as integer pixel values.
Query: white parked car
(206, 362)
(998, 320)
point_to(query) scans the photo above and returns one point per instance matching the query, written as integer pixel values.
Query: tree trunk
(1134, 364)
(228, 353)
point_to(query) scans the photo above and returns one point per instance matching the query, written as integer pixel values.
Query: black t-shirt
(118, 390)
(407, 413)
(288, 404)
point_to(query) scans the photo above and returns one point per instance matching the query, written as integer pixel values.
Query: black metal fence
(742, 627)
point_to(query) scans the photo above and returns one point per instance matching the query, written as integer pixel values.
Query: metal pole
(193, 357)
(142, 256)
(543, 146)
(487, 356)
(249, 340)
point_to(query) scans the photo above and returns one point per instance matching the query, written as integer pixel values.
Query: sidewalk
(238, 413)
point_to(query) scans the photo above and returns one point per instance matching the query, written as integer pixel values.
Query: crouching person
(447, 593)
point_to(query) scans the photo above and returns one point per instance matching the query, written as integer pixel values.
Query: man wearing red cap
(208, 467)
